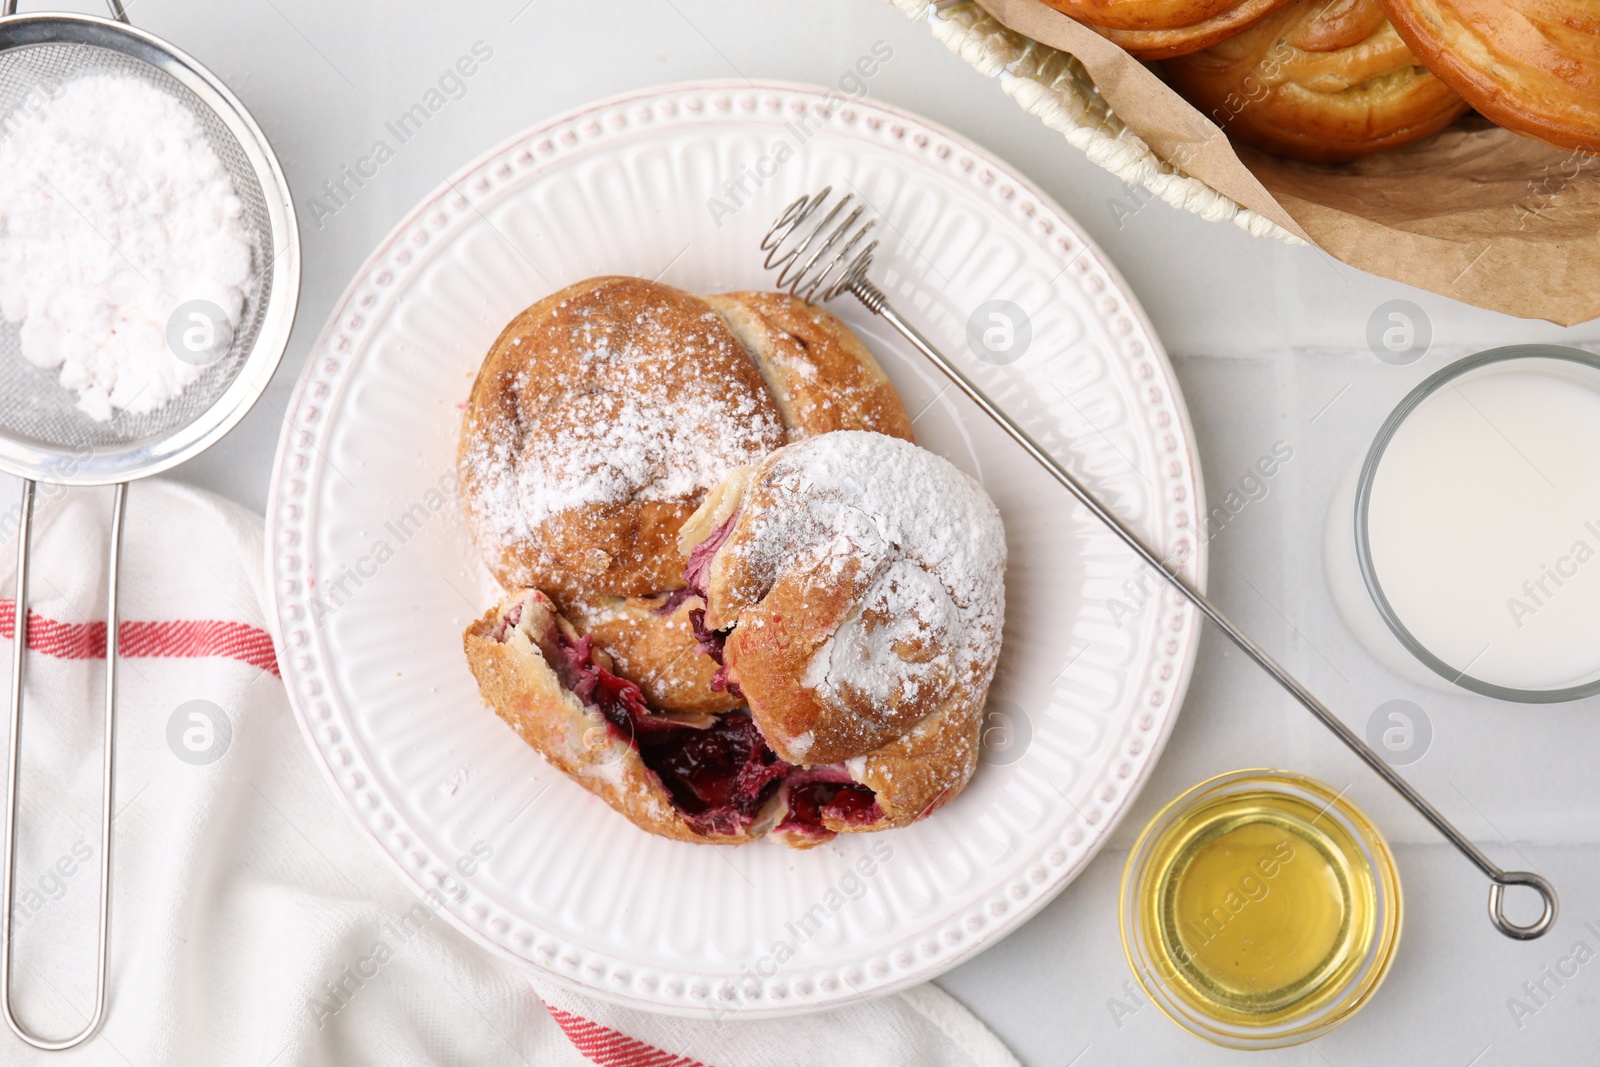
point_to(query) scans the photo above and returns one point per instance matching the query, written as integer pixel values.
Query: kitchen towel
(253, 922)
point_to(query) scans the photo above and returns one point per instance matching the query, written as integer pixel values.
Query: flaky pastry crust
(511, 651)
(820, 374)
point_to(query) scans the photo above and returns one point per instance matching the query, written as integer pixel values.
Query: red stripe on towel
(173, 638)
(609, 1048)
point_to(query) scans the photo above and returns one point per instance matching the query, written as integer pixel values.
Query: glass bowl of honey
(1260, 909)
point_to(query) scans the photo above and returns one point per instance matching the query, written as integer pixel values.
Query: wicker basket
(1054, 87)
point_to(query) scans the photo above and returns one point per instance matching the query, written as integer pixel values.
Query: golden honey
(1260, 909)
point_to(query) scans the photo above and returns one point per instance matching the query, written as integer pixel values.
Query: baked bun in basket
(1319, 80)
(1159, 29)
(1533, 66)
(599, 420)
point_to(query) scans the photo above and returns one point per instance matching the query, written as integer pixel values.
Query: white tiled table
(1269, 344)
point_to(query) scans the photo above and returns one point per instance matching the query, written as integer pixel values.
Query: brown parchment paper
(1476, 212)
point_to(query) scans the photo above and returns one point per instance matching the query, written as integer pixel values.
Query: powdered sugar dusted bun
(855, 595)
(821, 375)
(598, 420)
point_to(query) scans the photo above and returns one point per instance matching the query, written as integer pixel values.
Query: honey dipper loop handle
(1497, 899)
(805, 281)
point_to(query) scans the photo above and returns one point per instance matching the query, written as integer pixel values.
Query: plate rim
(319, 352)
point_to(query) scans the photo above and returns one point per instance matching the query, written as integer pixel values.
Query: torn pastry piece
(1160, 29)
(855, 597)
(1320, 80)
(854, 591)
(702, 778)
(708, 781)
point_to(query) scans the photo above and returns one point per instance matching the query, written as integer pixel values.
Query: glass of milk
(1465, 549)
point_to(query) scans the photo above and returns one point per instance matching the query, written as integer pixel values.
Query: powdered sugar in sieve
(124, 255)
(51, 65)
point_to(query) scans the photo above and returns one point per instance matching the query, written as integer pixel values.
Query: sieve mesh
(34, 406)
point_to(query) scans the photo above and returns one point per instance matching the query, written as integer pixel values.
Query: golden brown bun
(1320, 80)
(817, 376)
(511, 650)
(821, 375)
(1533, 66)
(598, 420)
(1160, 29)
(862, 580)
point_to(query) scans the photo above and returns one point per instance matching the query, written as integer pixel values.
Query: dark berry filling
(816, 792)
(618, 699)
(718, 777)
(509, 620)
(674, 599)
(709, 642)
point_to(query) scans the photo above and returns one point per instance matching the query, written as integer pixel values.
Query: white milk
(1484, 523)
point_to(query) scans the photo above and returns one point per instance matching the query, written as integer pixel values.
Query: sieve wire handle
(9, 7)
(8, 882)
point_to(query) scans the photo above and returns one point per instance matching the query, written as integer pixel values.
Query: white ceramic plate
(375, 577)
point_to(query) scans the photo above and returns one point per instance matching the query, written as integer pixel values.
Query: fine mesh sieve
(44, 437)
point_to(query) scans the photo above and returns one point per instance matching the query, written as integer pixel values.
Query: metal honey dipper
(819, 262)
